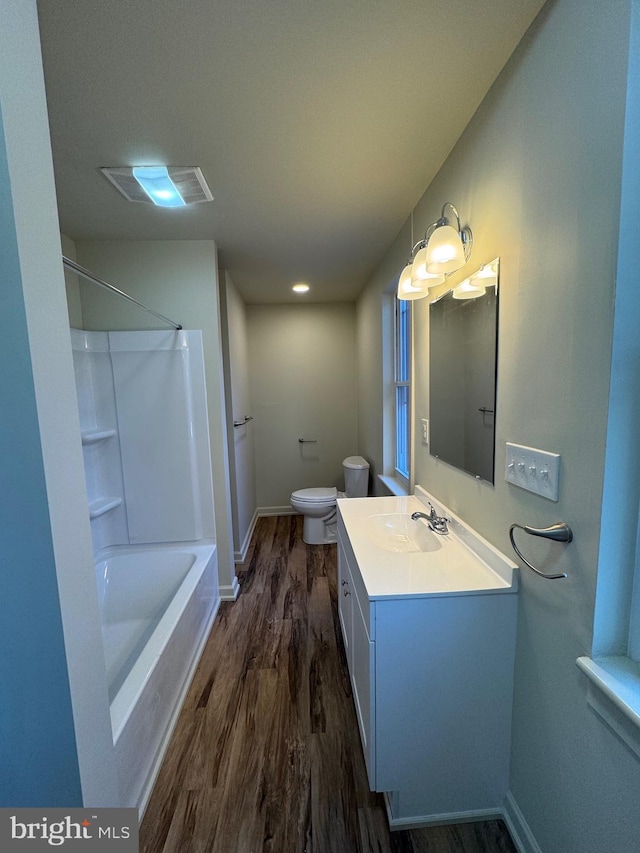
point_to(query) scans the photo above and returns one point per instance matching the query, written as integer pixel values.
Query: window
(402, 386)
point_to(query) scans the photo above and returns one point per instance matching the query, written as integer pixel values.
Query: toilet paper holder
(559, 532)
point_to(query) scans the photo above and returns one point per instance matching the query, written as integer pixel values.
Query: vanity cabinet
(432, 679)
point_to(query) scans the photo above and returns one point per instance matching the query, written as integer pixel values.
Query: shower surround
(143, 419)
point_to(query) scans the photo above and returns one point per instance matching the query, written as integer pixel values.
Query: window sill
(614, 693)
(393, 485)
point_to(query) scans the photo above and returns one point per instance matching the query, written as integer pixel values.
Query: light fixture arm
(443, 219)
(419, 245)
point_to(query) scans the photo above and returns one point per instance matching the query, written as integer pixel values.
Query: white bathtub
(157, 605)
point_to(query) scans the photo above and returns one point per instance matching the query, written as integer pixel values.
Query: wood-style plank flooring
(266, 756)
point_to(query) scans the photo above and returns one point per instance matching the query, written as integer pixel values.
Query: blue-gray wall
(38, 757)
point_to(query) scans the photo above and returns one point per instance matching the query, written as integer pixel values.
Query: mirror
(463, 345)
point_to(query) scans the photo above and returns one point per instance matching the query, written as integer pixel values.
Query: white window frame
(402, 389)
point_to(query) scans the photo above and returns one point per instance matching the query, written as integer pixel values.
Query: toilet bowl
(318, 505)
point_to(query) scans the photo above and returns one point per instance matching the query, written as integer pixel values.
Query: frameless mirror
(463, 344)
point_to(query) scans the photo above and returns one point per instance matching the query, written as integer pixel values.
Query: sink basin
(398, 532)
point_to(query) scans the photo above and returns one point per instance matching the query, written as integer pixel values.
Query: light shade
(445, 252)
(157, 184)
(405, 278)
(468, 289)
(407, 289)
(419, 272)
(486, 276)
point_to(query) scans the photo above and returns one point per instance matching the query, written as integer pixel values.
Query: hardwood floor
(266, 756)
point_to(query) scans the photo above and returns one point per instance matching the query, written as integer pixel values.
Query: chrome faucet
(437, 523)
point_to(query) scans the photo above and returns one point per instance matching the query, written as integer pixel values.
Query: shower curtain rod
(76, 268)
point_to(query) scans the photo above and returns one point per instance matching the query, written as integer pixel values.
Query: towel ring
(560, 532)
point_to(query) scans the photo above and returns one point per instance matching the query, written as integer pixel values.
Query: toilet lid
(317, 495)
(358, 462)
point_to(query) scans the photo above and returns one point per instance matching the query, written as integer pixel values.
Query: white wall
(235, 344)
(180, 280)
(537, 175)
(303, 385)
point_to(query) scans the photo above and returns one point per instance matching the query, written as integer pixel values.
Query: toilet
(318, 505)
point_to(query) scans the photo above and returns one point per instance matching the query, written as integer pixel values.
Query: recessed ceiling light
(300, 288)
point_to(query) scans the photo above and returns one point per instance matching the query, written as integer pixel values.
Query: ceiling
(318, 125)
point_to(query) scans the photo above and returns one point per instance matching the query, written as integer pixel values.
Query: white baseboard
(518, 828)
(229, 592)
(241, 555)
(264, 511)
(418, 821)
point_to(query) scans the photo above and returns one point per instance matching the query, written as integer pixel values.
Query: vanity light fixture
(443, 250)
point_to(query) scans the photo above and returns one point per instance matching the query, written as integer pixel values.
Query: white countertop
(462, 563)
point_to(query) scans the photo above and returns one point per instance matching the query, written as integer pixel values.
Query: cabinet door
(345, 606)
(363, 656)
(360, 656)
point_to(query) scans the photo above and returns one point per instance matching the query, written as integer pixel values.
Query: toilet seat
(319, 495)
(319, 505)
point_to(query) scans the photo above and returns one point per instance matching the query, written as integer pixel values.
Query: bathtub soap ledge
(90, 436)
(99, 507)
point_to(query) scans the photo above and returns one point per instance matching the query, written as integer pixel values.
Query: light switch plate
(535, 470)
(425, 431)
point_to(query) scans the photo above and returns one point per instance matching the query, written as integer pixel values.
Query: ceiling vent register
(188, 180)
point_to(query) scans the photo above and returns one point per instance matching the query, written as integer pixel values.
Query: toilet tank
(356, 477)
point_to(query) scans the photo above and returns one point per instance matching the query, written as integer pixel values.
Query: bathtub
(157, 605)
